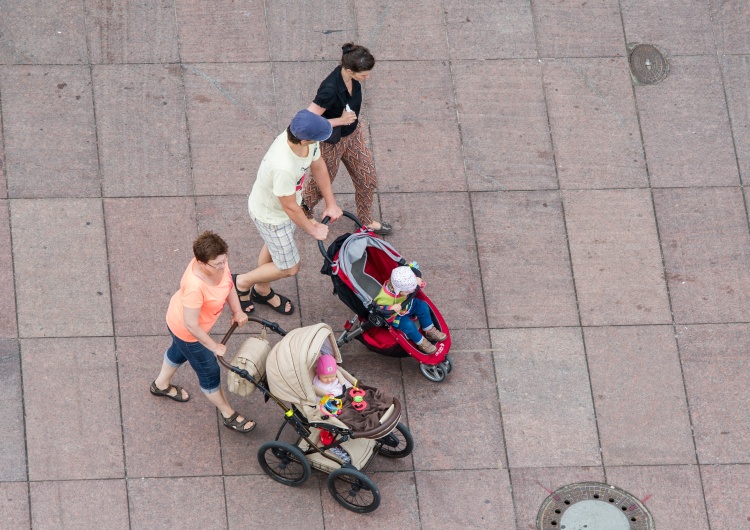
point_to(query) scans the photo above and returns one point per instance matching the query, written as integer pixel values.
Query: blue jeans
(201, 359)
(405, 324)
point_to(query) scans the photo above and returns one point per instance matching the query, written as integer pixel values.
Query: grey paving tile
(149, 242)
(310, 31)
(45, 32)
(152, 424)
(402, 31)
(489, 30)
(132, 32)
(222, 31)
(232, 116)
(641, 408)
(531, 485)
(679, 28)
(657, 487)
(616, 257)
(416, 142)
(3, 180)
(594, 124)
(572, 29)
(545, 398)
(736, 70)
(190, 502)
(505, 138)
(50, 137)
(12, 438)
(524, 259)
(60, 264)
(79, 504)
(705, 243)
(475, 499)
(715, 365)
(726, 490)
(730, 19)
(685, 126)
(143, 145)
(439, 418)
(8, 324)
(14, 504)
(71, 384)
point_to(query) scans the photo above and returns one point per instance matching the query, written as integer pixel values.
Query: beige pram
(289, 370)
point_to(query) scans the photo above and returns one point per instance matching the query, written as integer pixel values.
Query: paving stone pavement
(586, 238)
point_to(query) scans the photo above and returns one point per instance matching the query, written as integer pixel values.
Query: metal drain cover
(593, 506)
(648, 64)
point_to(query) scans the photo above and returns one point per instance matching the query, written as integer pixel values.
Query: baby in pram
(326, 378)
(393, 297)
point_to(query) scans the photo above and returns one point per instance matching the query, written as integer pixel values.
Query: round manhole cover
(648, 64)
(593, 506)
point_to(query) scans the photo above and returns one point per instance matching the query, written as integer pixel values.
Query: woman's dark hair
(208, 246)
(356, 58)
(291, 136)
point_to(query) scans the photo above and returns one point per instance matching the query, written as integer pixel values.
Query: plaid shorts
(280, 242)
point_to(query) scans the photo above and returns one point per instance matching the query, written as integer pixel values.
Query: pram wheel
(447, 364)
(284, 463)
(353, 490)
(434, 372)
(398, 444)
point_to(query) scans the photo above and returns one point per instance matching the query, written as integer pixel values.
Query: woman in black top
(342, 89)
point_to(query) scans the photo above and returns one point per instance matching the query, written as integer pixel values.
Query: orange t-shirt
(195, 293)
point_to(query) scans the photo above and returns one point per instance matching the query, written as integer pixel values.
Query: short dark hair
(356, 58)
(291, 136)
(208, 246)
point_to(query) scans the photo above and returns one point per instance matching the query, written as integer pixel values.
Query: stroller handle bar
(267, 323)
(325, 221)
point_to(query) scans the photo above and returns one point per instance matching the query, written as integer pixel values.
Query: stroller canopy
(352, 261)
(290, 367)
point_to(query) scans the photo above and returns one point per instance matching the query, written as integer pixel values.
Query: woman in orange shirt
(205, 288)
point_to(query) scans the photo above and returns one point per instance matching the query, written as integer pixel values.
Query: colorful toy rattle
(330, 404)
(358, 399)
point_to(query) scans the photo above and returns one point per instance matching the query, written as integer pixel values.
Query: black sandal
(244, 304)
(155, 390)
(263, 299)
(239, 426)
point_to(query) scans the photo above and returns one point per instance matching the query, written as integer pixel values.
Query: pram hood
(290, 366)
(352, 260)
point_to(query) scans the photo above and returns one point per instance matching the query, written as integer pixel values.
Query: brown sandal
(155, 390)
(239, 426)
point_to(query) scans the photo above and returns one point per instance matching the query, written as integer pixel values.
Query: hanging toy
(358, 399)
(331, 405)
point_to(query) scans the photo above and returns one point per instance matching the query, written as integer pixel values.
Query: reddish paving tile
(685, 126)
(594, 124)
(190, 502)
(72, 300)
(402, 31)
(81, 395)
(79, 504)
(309, 31)
(572, 29)
(8, 324)
(50, 137)
(641, 408)
(12, 437)
(616, 258)
(545, 398)
(149, 242)
(222, 31)
(706, 245)
(45, 32)
(532, 485)
(679, 28)
(524, 260)
(506, 141)
(143, 145)
(132, 32)
(716, 368)
(232, 116)
(736, 70)
(3, 181)
(14, 504)
(489, 30)
(672, 494)
(730, 20)
(726, 490)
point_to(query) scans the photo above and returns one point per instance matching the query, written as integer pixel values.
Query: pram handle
(325, 221)
(266, 323)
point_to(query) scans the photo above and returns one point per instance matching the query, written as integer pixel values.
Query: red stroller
(358, 264)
